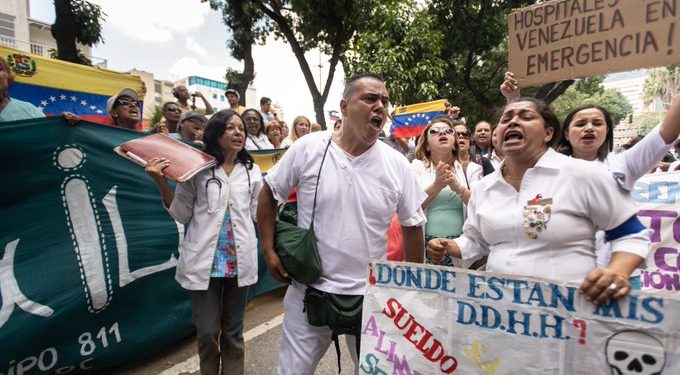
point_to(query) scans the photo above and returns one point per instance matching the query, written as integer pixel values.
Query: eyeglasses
(464, 135)
(124, 101)
(173, 109)
(435, 131)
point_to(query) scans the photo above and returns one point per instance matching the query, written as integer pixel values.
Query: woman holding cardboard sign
(218, 257)
(537, 215)
(589, 135)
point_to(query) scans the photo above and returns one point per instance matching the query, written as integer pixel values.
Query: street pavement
(262, 333)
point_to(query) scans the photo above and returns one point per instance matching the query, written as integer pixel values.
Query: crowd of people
(527, 195)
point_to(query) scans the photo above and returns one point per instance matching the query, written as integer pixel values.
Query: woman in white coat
(218, 257)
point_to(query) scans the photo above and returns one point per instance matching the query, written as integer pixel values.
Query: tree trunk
(248, 74)
(64, 32)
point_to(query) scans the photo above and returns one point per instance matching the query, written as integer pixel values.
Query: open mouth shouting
(376, 123)
(512, 136)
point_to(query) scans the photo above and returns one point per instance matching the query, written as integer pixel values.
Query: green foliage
(586, 93)
(662, 83)
(88, 19)
(157, 115)
(83, 59)
(402, 43)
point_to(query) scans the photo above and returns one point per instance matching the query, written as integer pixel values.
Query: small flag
(409, 121)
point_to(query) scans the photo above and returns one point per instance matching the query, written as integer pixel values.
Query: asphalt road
(262, 333)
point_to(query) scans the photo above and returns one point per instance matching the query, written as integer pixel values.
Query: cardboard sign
(421, 319)
(658, 198)
(565, 39)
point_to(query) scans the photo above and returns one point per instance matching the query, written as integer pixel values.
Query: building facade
(18, 30)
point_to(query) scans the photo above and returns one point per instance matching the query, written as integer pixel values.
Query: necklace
(508, 175)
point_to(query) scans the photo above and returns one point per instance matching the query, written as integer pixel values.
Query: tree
(584, 92)
(662, 83)
(401, 42)
(473, 53)
(247, 25)
(304, 25)
(76, 21)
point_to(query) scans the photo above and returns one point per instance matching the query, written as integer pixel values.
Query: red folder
(185, 161)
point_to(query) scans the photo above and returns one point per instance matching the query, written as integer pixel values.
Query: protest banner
(564, 39)
(87, 253)
(422, 319)
(657, 196)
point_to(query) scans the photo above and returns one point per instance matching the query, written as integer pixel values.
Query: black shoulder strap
(318, 176)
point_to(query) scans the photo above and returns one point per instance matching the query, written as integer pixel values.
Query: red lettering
(391, 303)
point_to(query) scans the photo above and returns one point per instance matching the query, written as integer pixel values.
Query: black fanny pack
(341, 313)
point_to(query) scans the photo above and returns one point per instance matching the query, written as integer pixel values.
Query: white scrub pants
(303, 345)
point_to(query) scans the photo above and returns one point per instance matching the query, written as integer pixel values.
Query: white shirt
(260, 142)
(190, 205)
(286, 142)
(628, 166)
(356, 201)
(495, 160)
(584, 199)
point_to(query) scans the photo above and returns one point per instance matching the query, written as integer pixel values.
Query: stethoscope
(216, 182)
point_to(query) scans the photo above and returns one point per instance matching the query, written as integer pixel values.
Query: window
(7, 25)
(37, 49)
(214, 96)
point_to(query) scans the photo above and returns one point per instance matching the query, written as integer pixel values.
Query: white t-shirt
(356, 201)
(577, 199)
(261, 142)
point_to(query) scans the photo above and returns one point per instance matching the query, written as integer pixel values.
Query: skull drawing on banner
(635, 353)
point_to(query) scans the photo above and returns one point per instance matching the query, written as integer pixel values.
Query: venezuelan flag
(409, 121)
(57, 86)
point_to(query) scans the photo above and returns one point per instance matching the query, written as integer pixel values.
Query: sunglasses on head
(125, 101)
(442, 130)
(173, 109)
(464, 135)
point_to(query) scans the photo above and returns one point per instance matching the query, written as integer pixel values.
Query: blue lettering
(446, 280)
(557, 297)
(474, 286)
(512, 321)
(432, 279)
(536, 295)
(384, 274)
(655, 191)
(647, 306)
(495, 285)
(609, 309)
(486, 311)
(413, 277)
(517, 286)
(398, 271)
(464, 307)
(557, 326)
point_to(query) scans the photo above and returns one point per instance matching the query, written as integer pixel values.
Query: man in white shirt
(266, 110)
(362, 184)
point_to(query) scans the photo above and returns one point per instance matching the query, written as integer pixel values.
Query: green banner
(88, 253)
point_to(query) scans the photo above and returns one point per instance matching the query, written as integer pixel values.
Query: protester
(496, 155)
(233, 98)
(218, 259)
(465, 156)
(170, 122)
(362, 183)
(315, 128)
(446, 184)
(124, 109)
(675, 166)
(256, 137)
(181, 93)
(337, 125)
(538, 214)
(191, 127)
(13, 109)
(301, 127)
(482, 140)
(274, 133)
(266, 110)
(284, 129)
